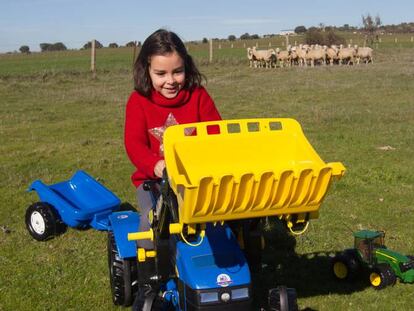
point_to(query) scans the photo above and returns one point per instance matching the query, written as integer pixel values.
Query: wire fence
(214, 51)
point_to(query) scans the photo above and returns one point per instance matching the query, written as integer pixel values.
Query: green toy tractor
(370, 254)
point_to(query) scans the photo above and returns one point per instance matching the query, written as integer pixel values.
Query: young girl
(168, 91)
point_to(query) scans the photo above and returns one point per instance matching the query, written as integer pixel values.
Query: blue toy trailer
(79, 202)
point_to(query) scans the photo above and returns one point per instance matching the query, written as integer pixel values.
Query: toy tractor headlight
(224, 296)
(209, 297)
(240, 293)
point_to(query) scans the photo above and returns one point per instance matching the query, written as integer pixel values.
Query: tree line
(321, 34)
(59, 46)
(371, 27)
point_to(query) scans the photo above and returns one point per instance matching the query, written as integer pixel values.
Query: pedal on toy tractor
(371, 254)
(246, 170)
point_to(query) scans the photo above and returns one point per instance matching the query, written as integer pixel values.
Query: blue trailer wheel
(43, 222)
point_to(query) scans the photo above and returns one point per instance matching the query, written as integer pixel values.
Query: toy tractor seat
(245, 169)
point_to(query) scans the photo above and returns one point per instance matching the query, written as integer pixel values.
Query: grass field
(55, 119)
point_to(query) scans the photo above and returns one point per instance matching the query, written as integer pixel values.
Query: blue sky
(74, 22)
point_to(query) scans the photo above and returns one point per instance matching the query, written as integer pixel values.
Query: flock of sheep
(304, 55)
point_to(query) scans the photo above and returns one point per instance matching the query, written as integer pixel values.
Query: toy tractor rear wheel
(345, 266)
(43, 221)
(282, 299)
(122, 274)
(382, 276)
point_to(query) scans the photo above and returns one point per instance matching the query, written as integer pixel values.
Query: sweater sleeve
(136, 139)
(208, 110)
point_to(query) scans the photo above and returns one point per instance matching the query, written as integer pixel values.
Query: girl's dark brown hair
(163, 42)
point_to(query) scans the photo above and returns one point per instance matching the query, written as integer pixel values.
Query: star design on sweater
(158, 132)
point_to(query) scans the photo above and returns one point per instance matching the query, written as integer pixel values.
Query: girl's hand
(159, 168)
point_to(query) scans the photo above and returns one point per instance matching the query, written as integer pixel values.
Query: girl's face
(167, 73)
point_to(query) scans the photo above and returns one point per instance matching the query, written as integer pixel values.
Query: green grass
(55, 119)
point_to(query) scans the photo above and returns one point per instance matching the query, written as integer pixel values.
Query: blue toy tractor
(205, 226)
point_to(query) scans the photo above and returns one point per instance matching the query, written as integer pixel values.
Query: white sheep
(346, 54)
(316, 54)
(332, 54)
(364, 54)
(294, 58)
(266, 57)
(250, 57)
(283, 56)
(301, 53)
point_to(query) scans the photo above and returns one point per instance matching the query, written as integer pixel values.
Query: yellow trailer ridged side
(235, 169)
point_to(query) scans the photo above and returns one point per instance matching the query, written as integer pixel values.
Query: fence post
(211, 51)
(134, 53)
(93, 58)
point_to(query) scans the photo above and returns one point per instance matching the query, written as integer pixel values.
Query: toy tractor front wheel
(382, 276)
(43, 222)
(282, 299)
(148, 300)
(345, 266)
(122, 274)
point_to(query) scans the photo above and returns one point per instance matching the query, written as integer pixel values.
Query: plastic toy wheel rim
(38, 223)
(340, 270)
(375, 279)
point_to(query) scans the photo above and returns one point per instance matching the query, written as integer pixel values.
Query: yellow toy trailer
(225, 171)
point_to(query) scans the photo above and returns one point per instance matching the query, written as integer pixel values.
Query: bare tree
(371, 26)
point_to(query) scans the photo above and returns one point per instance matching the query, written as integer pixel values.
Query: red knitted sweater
(145, 115)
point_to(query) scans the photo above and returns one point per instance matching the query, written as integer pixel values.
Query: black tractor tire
(282, 299)
(382, 276)
(147, 300)
(345, 266)
(43, 221)
(122, 274)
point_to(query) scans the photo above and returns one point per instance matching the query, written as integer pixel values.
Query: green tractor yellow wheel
(375, 279)
(382, 276)
(340, 270)
(345, 266)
